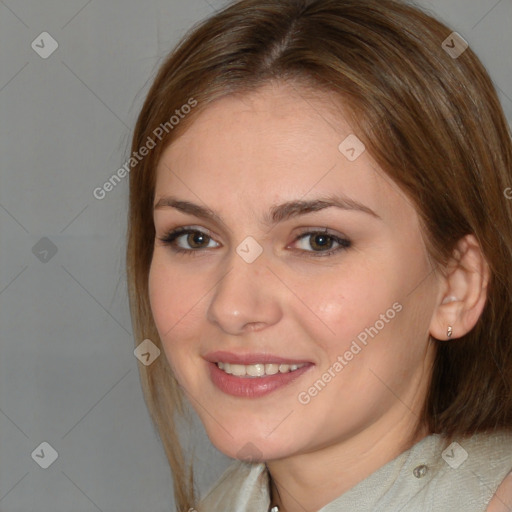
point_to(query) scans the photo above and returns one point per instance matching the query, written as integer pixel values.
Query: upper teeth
(258, 370)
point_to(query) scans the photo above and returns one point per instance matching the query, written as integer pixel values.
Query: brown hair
(432, 122)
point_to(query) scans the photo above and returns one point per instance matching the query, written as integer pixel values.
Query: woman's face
(257, 286)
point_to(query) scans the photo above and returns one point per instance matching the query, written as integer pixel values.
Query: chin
(251, 445)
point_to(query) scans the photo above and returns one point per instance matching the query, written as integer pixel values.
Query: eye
(195, 239)
(322, 242)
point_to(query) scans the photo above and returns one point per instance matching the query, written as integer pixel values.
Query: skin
(240, 156)
(502, 501)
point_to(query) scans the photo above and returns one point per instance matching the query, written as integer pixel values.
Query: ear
(463, 291)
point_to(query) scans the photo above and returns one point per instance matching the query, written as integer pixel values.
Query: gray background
(68, 375)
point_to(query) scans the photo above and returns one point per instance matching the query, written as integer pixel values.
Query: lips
(253, 375)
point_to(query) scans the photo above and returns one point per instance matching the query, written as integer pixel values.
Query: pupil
(197, 239)
(325, 239)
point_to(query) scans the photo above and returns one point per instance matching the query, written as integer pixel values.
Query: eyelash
(172, 235)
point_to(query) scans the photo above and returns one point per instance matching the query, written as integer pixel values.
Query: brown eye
(322, 242)
(196, 239)
(193, 240)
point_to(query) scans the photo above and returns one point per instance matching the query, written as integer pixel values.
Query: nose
(247, 296)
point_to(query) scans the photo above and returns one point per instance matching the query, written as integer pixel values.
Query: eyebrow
(277, 213)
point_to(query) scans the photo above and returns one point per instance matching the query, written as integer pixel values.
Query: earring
(449, 333)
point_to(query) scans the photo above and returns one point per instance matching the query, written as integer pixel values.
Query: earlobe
(463, 291)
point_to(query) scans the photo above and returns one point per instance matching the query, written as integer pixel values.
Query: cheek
(175, 294)
(175, 299)
(373, 320)
(353, 301)
(161, 297)
(381, 329)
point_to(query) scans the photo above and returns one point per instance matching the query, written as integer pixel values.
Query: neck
(305, 483)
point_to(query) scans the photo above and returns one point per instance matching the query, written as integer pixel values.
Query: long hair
(431, 120)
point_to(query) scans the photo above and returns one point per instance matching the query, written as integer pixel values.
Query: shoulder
(484, 469)
(502, 499)
(463, 474)
(242, 487)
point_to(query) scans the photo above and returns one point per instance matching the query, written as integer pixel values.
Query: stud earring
(449, 333)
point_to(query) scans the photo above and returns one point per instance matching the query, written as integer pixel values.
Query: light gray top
(429, 477)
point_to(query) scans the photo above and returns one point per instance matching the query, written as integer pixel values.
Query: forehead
(279, 143)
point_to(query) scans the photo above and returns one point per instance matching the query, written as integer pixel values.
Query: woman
(320, 244)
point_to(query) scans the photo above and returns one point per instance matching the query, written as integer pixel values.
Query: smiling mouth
(258, 369)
